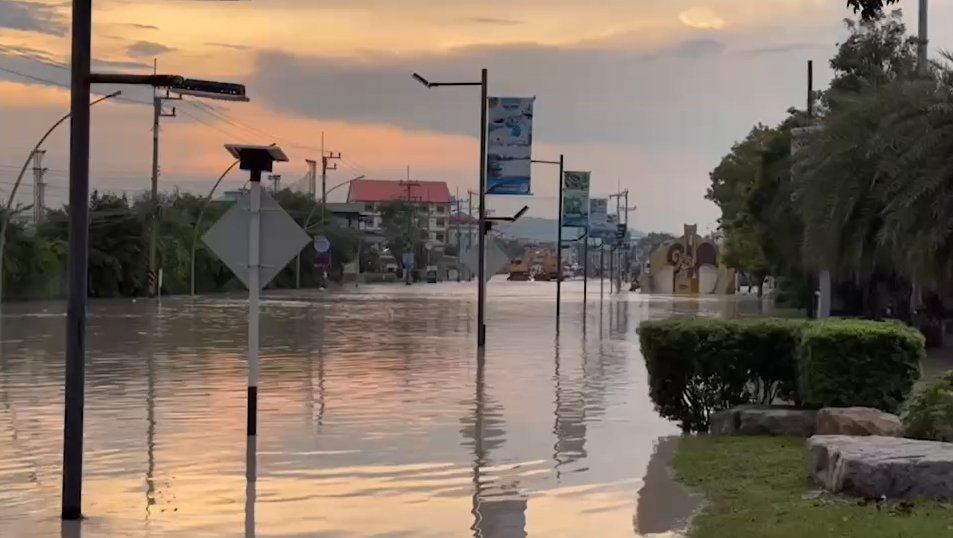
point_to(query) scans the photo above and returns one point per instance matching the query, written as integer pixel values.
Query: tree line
(868, 197)
(35, 256)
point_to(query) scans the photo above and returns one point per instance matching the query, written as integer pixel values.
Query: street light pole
(81, 79)
(483, 227)
(922, 39)
(481, 290)
(198, 222)
(5, 211)
(307, 221)
(559, 235)
(74, 394)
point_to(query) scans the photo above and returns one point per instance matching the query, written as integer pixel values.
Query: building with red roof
(380, 190)
(431, 197)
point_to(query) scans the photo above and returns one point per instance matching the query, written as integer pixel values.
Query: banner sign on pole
(509, 146)
(576, 199)
(598, 214)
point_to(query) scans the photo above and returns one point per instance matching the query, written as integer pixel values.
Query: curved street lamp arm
(198, 221)
(5, 210)
(16, 184)
(307, 222)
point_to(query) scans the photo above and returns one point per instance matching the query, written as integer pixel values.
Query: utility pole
(312, 178)
(275, 182)
(824, 276)
(157, 113)
(326, 159)
(470, 194)
(810, 88)
(39, 187)
(457, 218)
(602, 272)
(923, 39)
(625, 251)
(411, 214)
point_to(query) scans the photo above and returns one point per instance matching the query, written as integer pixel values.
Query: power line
(63, 85)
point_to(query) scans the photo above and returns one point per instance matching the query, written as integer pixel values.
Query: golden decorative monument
(690, 264)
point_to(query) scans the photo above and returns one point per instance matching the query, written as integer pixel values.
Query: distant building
(231, 196)
(349, 215)
(432, 199)
(465, 227)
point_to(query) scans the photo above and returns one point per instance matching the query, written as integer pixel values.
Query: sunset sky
(646, 94)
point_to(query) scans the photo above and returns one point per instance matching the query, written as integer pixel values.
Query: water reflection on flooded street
(376, 415)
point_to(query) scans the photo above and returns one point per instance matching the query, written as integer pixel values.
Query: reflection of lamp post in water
(497, 518)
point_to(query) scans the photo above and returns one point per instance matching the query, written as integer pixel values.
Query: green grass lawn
(757, 487)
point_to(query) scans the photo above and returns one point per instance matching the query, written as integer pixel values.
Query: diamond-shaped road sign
(496, 259)
(281, 238)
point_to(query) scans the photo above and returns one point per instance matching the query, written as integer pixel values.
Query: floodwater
(376, 417)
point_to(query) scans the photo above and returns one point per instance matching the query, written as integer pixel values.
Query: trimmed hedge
(928, 414)
(700, 366)
(859, 363)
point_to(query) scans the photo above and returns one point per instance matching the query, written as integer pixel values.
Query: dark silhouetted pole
(78, 260)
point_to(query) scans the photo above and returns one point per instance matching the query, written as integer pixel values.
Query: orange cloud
(701, 18)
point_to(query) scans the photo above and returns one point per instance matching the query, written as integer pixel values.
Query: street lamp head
(209, 89)
(422, 80)
(257, 159)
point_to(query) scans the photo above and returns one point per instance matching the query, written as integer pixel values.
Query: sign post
(575, 213)
(256, 238)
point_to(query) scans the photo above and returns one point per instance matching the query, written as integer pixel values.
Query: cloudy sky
(646, 94)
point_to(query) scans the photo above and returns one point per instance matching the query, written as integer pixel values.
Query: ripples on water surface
(375, 416)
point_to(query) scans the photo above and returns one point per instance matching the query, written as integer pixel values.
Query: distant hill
(540, 230)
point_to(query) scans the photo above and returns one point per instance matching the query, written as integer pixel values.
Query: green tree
(401, 228)
(869, 9)
(117, 247)
(733, 183)
(647, 245)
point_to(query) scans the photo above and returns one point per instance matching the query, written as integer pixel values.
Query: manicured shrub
(928, 413)
(700, 366)
(858, 363)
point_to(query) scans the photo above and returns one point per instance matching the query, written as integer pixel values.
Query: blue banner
(509, 145)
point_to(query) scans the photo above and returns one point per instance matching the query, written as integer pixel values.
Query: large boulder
(858, 421)
(764, 420)
(877, 466)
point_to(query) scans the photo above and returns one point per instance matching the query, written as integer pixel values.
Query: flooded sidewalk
(376, 416)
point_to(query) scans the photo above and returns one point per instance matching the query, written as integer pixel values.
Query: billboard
(576, 199)
(598, 214)
(509, 145)
(607, 232)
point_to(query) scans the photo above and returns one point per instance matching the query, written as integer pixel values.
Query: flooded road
(376, 417)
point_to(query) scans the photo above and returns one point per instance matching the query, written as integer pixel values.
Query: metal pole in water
(74, 392)
(559, 244)
(481, 240)
(602, 272)
(585, 274)
(254, 291)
